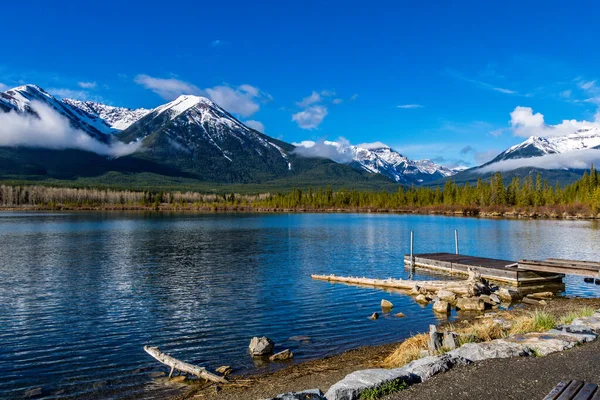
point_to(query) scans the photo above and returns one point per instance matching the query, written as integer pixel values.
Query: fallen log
(176, 364)
(462, 287)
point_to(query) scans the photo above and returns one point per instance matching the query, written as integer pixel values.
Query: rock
(546, 343)
(303, 339)
(157, 374)
(421, 299)
(423, 353)
(451, 340)
(494, 297)
(446, 295)
(541, 295)
(374, 316)
(535, 302)
(472, 304)
(179, 378)
(312, 394)
(427, 367)
(436, 339)
(224, 370)
(400, 315)
(261, 346)
(592, 322)
(35, 392)
(357, 382)
(508, 295)
(493, 349)
(386, 305)
(442, 307)
(282, 355)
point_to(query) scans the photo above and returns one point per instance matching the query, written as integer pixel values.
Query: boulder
(493, 349)
(400, 315)
(508, 295)
(451, 340)
(386, 305)
(442, 307)
(351, 387)
(436, 339)
(421, 299)
(470, 304)
(546, 343)
(224, 370)
(374, 316)
(282, 356)
(262, 346)
(312, 394)
(425, 368)
(446, 295)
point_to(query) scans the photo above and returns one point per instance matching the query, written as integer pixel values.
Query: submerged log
(462, 287)
(176, 364)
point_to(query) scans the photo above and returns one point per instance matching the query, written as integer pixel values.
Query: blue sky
(433, 79)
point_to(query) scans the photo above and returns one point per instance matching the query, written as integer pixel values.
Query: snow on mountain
(111, 119)
(192, 122)
(20, 100)
(536, 146)
(383, 160)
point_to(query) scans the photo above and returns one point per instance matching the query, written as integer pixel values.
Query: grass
(383, 390)
(573, 315)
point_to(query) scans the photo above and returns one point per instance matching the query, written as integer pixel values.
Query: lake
(82, 293)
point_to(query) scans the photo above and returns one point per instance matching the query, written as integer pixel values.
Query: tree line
(526, 193)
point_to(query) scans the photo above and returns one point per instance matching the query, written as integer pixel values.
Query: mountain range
(192, 138)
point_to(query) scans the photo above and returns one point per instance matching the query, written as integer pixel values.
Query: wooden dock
(503, 271)
(558, 265)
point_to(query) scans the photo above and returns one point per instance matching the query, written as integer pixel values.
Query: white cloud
(581, 159)
(372, 145)
(503, 90)
(566, 93)
(410, 106)
(53, 131)
(3, 87)
(169, 88)
(236, 100)
(525, 123)
(354, 97)
(256, 125)
(73, 94)
(337, 101)
(338, 151)
(87, 85)
(219, 43)
(315, 97)
(311, 117)
(587, 85)
(243, 100)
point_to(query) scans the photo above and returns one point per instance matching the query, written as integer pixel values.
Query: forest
(581, 196)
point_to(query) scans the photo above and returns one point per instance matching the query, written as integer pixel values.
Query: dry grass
(408, 351)
(567, 318)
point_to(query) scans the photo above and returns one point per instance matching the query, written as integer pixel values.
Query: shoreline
(324, 372)
(506, 215)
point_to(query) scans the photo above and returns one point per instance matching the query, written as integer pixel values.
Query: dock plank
(586, 392)
(570, 391)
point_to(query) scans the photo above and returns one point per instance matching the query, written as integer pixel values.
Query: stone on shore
(446, 295)
(425, 368)
(312, 394)
(421, 299)
(451, 340)
(493, 349)
(541, 295)
(374, 316)
(400, 315)
(357, 382)
(262, 346)
(436, 339)
(441, 307)
(494, 297)
(224, 370)
(282, 355)
(470, 304)
(179, 379)
(508, 295)
(386, 305)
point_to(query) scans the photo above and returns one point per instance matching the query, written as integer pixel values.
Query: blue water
(81, 293)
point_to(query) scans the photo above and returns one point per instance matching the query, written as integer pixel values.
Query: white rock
(493, 349)
(357, 382)
(427, 367)
(261, 346)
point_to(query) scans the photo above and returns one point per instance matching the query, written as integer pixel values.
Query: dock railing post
(412, 257)
(456, 239)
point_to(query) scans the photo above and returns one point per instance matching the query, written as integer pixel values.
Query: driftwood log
(176, 364)
(461, 287)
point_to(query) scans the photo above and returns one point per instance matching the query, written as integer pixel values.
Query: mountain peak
(184, 103)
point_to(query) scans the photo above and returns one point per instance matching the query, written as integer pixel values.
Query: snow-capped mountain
(388, 162)
(536, 146)
(20, 100)
(115, 118)
(193, 132)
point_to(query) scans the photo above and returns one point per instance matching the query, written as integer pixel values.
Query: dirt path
(511, 378)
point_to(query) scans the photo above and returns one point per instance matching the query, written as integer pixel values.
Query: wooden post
(456, 239)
